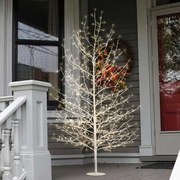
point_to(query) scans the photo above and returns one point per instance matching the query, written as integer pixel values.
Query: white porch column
(35, 155)
(5, 45)
(71, 23)
(145, 78)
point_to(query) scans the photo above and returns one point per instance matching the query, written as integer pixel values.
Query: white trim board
(145, 78)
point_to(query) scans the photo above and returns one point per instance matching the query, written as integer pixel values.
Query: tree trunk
(95, 160)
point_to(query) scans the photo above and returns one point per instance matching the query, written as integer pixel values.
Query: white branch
(94, 115)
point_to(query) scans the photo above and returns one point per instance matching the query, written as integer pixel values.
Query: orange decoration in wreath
(108, 72)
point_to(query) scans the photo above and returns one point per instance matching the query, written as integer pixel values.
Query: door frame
(166, 143)
(145, 78)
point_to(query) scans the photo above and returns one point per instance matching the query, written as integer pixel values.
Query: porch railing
(23, 132)
(10, 117)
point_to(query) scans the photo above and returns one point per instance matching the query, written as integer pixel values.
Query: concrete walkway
(113, 172)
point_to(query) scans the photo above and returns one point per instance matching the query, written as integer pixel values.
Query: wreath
(113, 65)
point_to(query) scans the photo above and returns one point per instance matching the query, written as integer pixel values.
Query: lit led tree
(96, 114)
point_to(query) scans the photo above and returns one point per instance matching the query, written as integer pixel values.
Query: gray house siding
(123, 15)
(59, 148)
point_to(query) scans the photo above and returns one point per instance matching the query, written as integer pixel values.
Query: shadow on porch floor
(113, 172)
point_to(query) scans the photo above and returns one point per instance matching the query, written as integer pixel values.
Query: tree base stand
(95, 174)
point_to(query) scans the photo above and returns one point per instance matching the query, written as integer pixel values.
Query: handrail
(12, 108)
(6, 98)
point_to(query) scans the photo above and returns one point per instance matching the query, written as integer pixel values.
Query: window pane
(169, 70)
(38, 20)
(162, 2)
(39, 63)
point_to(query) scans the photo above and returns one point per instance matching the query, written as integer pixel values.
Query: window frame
(52, 105)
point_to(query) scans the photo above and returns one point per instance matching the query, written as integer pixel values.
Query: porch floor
(113, 172)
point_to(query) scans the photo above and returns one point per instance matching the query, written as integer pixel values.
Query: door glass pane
(39, 63)
(38, 20)
(169, 70)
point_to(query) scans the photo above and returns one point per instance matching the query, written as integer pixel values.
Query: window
(38, 34)
(162, 2)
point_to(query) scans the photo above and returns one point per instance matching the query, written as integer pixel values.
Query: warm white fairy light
(94, 116)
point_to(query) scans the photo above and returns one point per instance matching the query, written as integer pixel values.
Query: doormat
(158, 165)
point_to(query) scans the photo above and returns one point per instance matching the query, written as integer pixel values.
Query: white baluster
(12, 143)
(7, 175)
(2, 151)
(17, 164)
(2, 107)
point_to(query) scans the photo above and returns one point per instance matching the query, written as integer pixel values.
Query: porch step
(113, 172)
